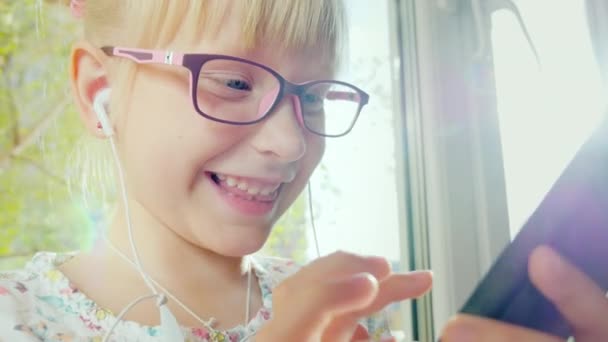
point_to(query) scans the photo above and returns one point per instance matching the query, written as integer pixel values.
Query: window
(545, 113)
(475, 174)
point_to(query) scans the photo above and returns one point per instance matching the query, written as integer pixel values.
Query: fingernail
(358, 281)
(429, 272)
(364, 277)
(421, 276)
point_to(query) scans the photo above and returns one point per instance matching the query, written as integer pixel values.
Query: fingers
(304, 314)
(578, 298)
(465, 328)
(342, 264)
(399, 287)
(395, 288)
(307, 303)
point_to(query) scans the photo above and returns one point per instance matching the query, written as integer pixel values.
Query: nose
(282, 134)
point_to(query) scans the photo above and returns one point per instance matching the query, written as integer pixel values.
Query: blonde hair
(297, 25)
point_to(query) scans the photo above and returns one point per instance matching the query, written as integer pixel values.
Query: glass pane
(545, 113)
(330, 108)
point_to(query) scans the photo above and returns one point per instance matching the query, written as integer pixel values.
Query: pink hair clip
(77, 7)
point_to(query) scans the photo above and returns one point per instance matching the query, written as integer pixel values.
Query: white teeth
(253, 191)
(231, 182)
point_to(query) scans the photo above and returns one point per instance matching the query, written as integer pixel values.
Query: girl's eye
(311, 98)
(238, 84)
(312, 103)
(225, 85)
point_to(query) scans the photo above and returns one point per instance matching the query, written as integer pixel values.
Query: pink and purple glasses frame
(194, 62)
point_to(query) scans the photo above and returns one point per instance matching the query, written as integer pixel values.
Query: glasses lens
(330, 108)
(235, 91)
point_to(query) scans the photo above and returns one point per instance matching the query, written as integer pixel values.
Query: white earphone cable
(124, 311)
(206, 323)
(312, 219)
(133, 247)
(125, 200)
(171, 329)
(316, 240)
(248, 298)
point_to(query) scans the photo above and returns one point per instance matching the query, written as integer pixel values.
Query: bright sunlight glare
(545, 113)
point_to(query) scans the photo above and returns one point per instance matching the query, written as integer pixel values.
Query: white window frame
(456, 212)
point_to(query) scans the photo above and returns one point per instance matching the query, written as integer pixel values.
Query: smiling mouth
(246, 189)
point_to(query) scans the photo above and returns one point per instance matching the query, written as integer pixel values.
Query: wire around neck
(171, 323)
(206, 323)
(312, 219)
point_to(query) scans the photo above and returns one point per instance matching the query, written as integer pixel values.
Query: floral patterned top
(38, 303)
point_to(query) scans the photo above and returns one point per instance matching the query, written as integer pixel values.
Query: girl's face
(218, 186)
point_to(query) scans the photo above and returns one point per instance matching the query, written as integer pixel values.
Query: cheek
(166, 142)
(169, 155)
(315, 148)
(307, 165)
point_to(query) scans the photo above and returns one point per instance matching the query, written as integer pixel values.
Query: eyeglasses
(238, 91)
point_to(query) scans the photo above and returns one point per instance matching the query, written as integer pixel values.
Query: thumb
(582, 303)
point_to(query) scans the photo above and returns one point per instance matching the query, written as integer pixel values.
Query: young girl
(215, 113)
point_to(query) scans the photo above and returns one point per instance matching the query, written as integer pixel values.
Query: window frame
(453, 178)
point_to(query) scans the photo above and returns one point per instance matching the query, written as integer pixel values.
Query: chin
(239, 250)
(244, 241)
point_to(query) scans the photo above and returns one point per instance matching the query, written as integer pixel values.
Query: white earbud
(102, 98)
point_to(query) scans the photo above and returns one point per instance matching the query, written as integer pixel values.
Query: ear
(88, 76)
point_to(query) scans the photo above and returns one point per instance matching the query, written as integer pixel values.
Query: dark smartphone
(573, 220)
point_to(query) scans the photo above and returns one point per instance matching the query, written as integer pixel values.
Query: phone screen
(573, 220)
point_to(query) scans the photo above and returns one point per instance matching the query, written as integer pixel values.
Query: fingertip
(546, 267)
(577, 297)
(426, 275)
(542, 253)
(423, 279)
(365, 280)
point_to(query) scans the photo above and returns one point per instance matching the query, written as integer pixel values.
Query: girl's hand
(325, 299)
(579, 300)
